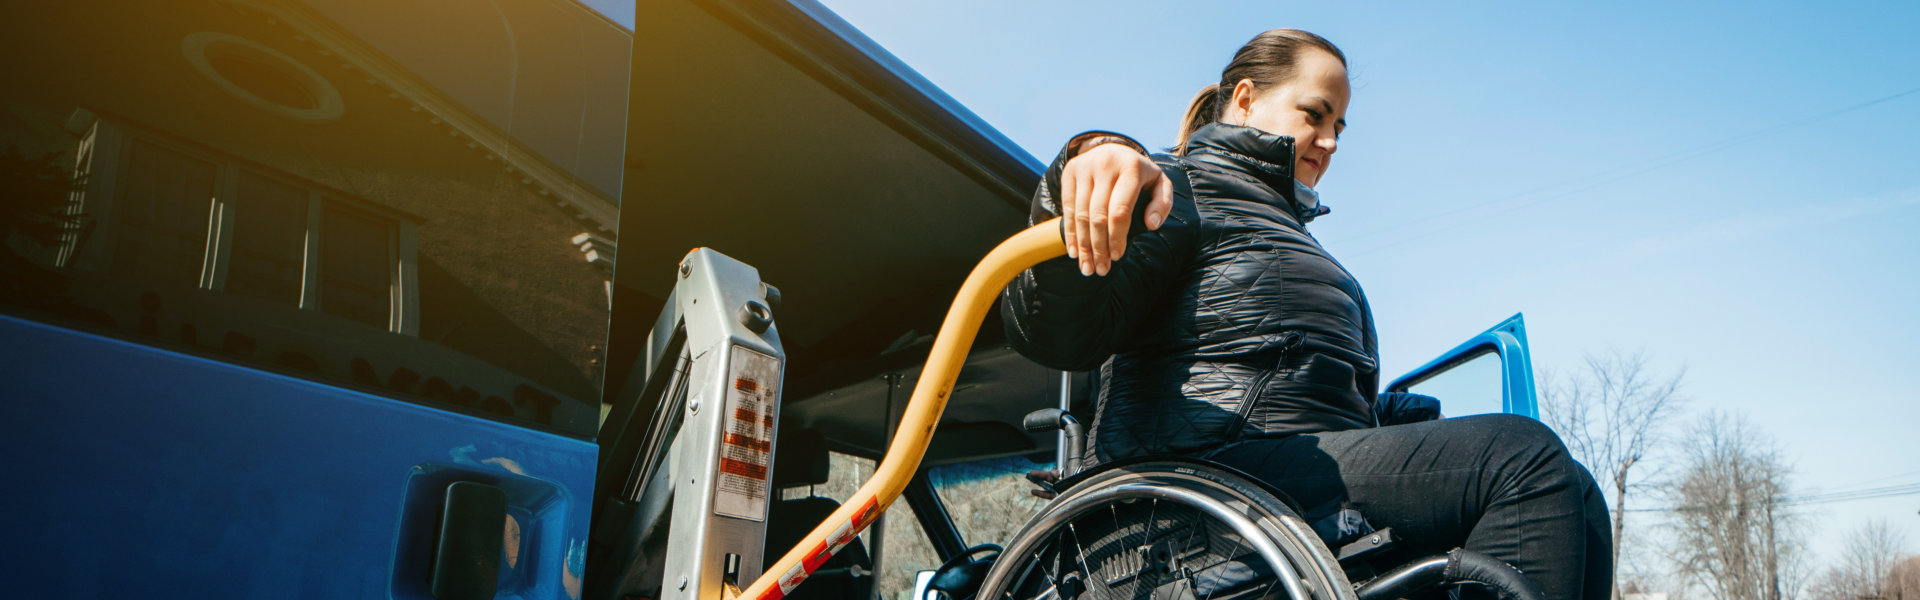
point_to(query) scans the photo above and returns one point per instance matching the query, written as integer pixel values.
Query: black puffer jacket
(1229, 322)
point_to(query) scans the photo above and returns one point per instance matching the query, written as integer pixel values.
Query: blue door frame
(1509, 340)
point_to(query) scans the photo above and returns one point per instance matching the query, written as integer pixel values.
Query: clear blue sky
(1584, 145)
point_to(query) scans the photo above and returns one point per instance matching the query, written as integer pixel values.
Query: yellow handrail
(970, 306)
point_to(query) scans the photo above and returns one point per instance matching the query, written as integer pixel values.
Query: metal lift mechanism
(709, 468)
(715, 365)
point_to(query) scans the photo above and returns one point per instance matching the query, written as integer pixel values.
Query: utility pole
(1773, 553)
(1620, 515)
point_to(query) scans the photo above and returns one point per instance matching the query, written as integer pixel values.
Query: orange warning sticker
(741, 485)
(743, 469)
(735, 439)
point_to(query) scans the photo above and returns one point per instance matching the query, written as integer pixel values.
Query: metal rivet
(694, 406)
(683, 582)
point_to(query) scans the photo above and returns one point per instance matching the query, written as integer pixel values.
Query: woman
(1222, 329)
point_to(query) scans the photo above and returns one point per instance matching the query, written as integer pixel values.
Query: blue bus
(276, 275)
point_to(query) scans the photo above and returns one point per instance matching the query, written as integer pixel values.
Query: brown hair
(1267, 59)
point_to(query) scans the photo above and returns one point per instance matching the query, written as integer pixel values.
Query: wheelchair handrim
(1215, 501)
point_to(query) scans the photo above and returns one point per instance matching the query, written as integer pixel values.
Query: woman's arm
(1065, 319)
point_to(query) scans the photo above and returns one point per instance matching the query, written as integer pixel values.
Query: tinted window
(163, 215)
(904, 549)
(988, 500)
(356, 265)
(393, 196)
(268, 259)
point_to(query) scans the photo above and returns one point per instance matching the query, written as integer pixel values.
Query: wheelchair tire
(1166, 529)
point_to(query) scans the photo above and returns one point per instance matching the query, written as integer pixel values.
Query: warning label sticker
(746, 447)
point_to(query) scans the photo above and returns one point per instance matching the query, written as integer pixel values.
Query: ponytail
(1204, 109)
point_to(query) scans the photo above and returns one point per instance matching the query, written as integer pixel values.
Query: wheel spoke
(1080, 553)
(1053, 579)
(1237, 541)
(1146, 541)
(1046, 572)
(1151, 513)
(1185, 544)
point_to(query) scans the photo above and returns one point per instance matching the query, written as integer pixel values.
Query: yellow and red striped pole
(929, 400)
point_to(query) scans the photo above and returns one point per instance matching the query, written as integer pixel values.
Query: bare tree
(1867, 566)
(1904, 581)
(1611, 414)
(1732, 533)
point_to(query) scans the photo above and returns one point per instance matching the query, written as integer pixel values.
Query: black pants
(1502, 485)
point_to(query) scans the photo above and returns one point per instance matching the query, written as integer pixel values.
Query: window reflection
(355, 267)
(268, 259)
(368, 194)
(163, 216)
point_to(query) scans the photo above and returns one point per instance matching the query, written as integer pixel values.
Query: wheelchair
(1177, 527)
(1157, 527)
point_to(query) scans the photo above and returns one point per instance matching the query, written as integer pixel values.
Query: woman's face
(1311, 108)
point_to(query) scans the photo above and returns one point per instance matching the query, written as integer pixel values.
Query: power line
(1607, 176)
(1885, 492)
(1895, 491)
(1882, 478)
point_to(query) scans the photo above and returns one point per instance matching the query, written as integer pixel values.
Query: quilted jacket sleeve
(1064, 320)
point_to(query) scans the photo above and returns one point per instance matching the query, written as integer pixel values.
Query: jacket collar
(1265, 156)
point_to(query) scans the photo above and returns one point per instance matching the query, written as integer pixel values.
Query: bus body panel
(147, 471)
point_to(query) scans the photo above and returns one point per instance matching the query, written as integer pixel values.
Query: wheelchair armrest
(1054, 419)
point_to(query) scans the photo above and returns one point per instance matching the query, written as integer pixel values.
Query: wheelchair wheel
(1166, 529)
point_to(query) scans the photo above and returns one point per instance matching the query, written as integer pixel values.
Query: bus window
(413, 199)
(988, 500)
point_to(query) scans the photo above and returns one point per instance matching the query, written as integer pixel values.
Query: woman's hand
(1098, 190)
